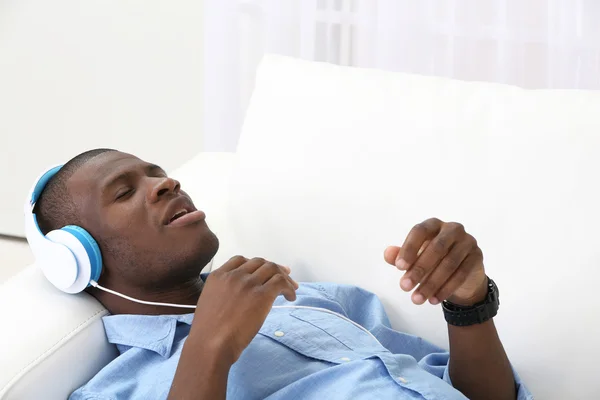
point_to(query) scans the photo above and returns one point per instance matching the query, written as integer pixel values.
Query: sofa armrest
(52, 342)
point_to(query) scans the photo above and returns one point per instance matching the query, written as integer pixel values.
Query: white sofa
(336, 163)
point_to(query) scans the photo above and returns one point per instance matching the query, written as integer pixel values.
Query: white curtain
(529, 43)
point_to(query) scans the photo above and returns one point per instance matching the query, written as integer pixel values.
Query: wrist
(478, 295)
(212, 347)
(473, 309)
(207, 382)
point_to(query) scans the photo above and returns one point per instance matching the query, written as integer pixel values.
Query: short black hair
(55, 207)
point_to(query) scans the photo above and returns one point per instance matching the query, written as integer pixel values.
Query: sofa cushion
(336, 163)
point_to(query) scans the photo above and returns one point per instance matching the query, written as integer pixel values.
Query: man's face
(148, 230)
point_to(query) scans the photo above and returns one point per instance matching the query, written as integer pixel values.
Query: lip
(177, 204)
(187, 219)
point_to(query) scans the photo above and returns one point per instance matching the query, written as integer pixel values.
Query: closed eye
(123, 194)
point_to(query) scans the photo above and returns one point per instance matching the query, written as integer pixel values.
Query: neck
(186, 293)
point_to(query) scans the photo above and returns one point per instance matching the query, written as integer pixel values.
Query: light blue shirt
(298, 354)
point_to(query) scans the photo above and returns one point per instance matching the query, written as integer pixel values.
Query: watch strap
(485, 310)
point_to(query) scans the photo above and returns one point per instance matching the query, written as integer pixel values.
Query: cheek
(128, 217)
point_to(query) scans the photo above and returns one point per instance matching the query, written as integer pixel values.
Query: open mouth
(178, 214)
(181, 212)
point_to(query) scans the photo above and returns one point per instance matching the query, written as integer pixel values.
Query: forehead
(94, 172)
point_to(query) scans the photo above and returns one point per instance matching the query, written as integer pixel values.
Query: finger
(458, 277)
(278, 284)
(266, 271)
(438, 277)
(414, 241)
(422, 249)
(288, 271)
(253, 264)
(437, 249)
(390, 254)
(263, 273)
(233, 263)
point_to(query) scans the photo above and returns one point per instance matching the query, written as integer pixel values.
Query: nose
(162, 187)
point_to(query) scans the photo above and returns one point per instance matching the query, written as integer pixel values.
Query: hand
(236, 300)
(443, 260)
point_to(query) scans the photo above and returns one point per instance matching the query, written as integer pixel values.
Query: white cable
(152, 303)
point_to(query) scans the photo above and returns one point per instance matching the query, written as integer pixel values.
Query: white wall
(97, 73)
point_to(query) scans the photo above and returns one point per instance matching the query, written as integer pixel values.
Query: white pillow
(335, 163)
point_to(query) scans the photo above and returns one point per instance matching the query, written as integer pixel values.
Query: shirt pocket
(319, 335)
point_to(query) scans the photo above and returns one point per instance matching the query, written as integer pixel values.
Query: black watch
(476, 314)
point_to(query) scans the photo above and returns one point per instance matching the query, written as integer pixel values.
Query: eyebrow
(149, 169)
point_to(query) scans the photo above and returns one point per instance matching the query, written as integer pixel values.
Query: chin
(203, 249)
(184, 261)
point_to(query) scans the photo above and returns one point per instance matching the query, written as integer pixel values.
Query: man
(320, 341)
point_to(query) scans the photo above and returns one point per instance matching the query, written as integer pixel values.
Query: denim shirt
(297, 354)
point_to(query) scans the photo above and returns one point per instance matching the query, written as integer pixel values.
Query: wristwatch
(476, 314)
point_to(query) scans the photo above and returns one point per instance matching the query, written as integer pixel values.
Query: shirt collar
(150, 332)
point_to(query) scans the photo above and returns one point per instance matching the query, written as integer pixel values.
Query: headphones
(69, 257)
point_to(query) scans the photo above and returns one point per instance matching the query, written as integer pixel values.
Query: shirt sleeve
(365, 308)
(82, 394)
(437, 364)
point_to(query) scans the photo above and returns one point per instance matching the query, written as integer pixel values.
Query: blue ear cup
(91, 247)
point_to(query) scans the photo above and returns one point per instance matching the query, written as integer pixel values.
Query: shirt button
(279, 333)
(345, 359)
(401, 379)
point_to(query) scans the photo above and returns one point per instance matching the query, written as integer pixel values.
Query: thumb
(390, 254)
